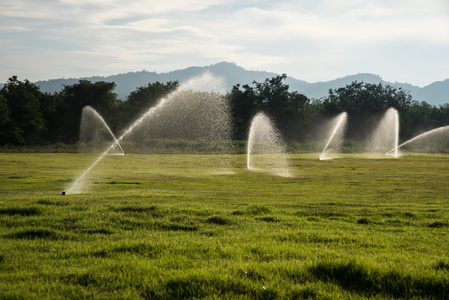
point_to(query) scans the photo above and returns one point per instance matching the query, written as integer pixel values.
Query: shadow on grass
(320, 212)
(363, 221)
(98, 231)
(49, 202)
(442, 266)
(438, 224)
(22, 211)
(84, 279)
(217, 220)
(33, 234)
(143, 249)
(181, 287)
(118, 182)
(176, 227)
(268, 219)
(368, 281)
(152, 210)
(253, 210)
(195, 287)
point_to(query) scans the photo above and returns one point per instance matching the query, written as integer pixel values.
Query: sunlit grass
(171, 226)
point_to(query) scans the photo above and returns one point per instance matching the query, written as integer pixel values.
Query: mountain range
(436, 93)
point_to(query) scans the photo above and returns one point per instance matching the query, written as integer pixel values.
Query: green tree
(417, 118)
(147, 96)
(9, 132)
(74, 98)
(442, 115)
(287, 109)
(243, 106)
(24, 109)
(364, 103)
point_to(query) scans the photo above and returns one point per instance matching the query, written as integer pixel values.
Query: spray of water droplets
(336, 136)
(266, 148)
(195, 115)
(386, 134)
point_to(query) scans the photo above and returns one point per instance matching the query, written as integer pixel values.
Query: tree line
(30, 117)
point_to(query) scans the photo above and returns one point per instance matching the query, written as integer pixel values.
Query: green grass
(179, 226)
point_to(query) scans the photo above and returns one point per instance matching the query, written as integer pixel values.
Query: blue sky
(312, 40)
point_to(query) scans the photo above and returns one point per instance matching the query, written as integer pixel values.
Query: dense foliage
(30, 117)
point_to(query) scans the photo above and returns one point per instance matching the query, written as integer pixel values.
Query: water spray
(262, 130)
(204, 83)
(338, 130)
(422, 135)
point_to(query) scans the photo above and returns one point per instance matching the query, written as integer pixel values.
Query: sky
(403, 41)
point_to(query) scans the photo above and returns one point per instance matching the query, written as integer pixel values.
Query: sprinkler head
(63, 193)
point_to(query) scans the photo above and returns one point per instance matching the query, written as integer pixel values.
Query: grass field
(177, 226)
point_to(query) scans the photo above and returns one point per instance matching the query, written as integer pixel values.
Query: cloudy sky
(312, 40)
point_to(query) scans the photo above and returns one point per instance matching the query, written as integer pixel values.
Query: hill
(436, 93)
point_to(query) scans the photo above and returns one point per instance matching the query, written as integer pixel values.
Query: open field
(177, 226)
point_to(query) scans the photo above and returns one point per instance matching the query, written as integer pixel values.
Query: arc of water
(396, 141)
(248, 154)
(139, 121)
(387, 132)
(392, 112)
(274, 142)
(418, 136)
(186, 86)
(340, 122)
(96, 114)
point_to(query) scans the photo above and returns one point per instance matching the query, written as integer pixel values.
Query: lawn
(201, 226)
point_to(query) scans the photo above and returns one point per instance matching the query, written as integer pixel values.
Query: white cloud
(307, 39)
(334, 36)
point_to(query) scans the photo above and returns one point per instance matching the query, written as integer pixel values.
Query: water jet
(423, 136)
(266, 149)
(338, 126)
(386, 134)
(194, 110)
(95, 133)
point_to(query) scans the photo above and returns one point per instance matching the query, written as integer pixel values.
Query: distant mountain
(129, 82)
(436, 93)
